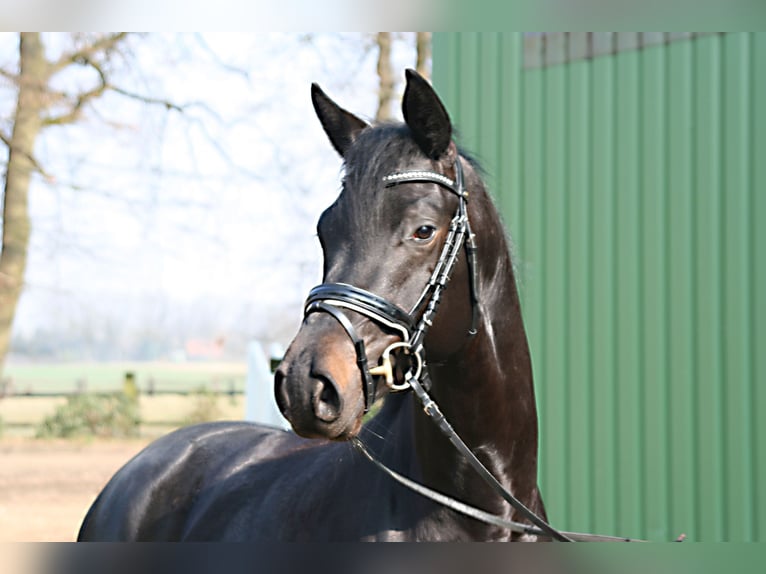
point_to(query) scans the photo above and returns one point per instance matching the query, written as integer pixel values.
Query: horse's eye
(424, 233)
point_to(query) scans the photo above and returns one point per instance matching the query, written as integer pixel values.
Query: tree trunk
(423, 48)
(33, 78)
(386, 76)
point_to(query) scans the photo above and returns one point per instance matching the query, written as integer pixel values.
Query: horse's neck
(486, 393)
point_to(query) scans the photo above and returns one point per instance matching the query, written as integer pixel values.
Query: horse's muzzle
(317, 388)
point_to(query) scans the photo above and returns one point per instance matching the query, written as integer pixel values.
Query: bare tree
(384, 41)
(41, 104)
(423, 51)
(386, 77)
(94, 88)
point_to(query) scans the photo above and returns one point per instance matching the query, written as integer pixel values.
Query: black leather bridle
(334, 298)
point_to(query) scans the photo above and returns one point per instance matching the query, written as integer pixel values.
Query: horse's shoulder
(160, 484)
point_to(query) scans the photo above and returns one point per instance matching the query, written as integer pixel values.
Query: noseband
(334, 298)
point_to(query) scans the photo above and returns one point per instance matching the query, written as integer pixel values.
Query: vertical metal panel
(757, 299)
(467, 112)
(709, 485)
(735, 294)
(604, 290)
(531, 242)
(554, 262)
(681, 288)
(579, 443)
(509, 168)
(488, 103)
(580, 487)
(656, 487)
(633, 185)
(628, 305)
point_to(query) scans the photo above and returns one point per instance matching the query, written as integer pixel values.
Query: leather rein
(334, 298)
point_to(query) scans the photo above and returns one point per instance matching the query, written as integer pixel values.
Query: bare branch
(14, 78)
(222, 153)
(85, 56)
(104, 85)
(223, 65)
(147, 99)
(35, 164)
(86, 53)
(82, 99)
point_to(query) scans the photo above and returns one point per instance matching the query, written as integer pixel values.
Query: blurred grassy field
(102, 377)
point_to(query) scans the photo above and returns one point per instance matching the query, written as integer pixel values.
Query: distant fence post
(260, 405)
(129, 386)
(6, 387)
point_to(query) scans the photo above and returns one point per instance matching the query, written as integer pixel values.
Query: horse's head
(382, 240)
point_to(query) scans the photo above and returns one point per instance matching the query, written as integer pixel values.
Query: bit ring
(386, 368)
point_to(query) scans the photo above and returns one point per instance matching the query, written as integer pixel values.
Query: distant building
(205, 350)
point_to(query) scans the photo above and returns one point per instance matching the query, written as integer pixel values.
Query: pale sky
(213, 212)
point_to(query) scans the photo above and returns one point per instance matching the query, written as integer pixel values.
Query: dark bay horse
(386, 243)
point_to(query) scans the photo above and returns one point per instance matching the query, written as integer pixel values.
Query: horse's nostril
(327, 400)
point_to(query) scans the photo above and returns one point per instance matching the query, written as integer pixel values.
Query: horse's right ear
(427, 117)
(341, 126)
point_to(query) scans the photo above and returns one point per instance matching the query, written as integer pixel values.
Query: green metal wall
(634, 187)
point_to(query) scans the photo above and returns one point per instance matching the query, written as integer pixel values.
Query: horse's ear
(426, 116)
(341, 126)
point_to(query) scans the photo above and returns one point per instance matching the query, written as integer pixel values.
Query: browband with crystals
(423, 176)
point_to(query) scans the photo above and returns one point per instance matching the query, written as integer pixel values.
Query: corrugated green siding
(634, 187)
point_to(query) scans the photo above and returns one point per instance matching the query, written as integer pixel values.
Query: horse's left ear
(426, 116)
(341, 126)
